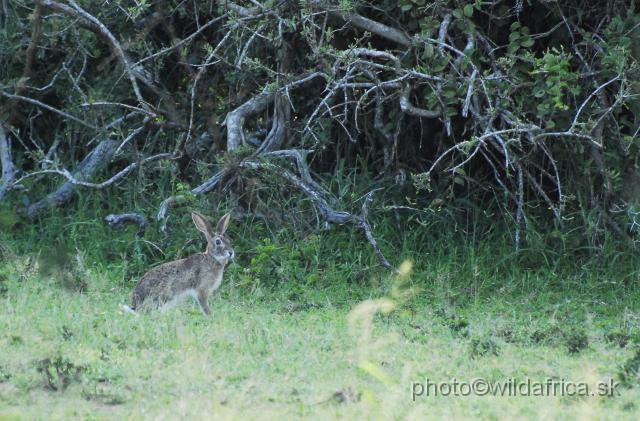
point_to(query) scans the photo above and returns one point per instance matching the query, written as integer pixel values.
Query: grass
(346, 343)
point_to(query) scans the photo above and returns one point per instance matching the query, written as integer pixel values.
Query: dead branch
(96, 159)
(363, 222)
(240, 10)
(330, 215)
(48, 107)
(299, 157)
(235, 119)
(119, 221)
(116, 104)
(382, 30)
(209, 184)
(277, 136)
(366, 24)
(444, 27)
(168, 203)
(257, 104)
(201, 71)
(98, 186)
(326, 211)
(8, 168)
(379, 125)
(408, 108)
(355, 19)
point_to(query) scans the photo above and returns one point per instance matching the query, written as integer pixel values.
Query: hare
(197, 276)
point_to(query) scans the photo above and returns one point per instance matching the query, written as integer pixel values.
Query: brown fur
(198, 275)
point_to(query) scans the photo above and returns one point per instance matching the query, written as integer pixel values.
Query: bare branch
(368, 232)
(407, 107)
(166, 204)
(326, 211)
(48, 107)
(118, 221)
(235, 119)
(208, 185)
(117, 104)
(76, 181)
(380, 29)
(8, 168)
(442, 31)
(240, 10)
(278, 134)
(586, 101)
(255, 105)
(95, 160)
(299, 156)
(355, 19)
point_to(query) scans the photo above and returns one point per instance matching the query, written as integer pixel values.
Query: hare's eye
(218, 242)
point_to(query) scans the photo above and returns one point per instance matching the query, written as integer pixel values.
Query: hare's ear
(201, 223)
(223, 223)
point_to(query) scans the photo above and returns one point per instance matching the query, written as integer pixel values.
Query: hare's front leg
(203, 300)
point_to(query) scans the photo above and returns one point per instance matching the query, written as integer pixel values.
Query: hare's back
(167, 280)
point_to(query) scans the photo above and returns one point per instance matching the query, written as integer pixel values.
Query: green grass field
(356, 350)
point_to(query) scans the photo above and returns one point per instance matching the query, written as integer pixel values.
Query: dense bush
(527, 110)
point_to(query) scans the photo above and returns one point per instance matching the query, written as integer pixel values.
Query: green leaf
(528, 42)
(468, 10)
(513, 48)
(449, 93)
(543, 108)
(428, 51)
(452, 111)
(457, 13)
(438, 67)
